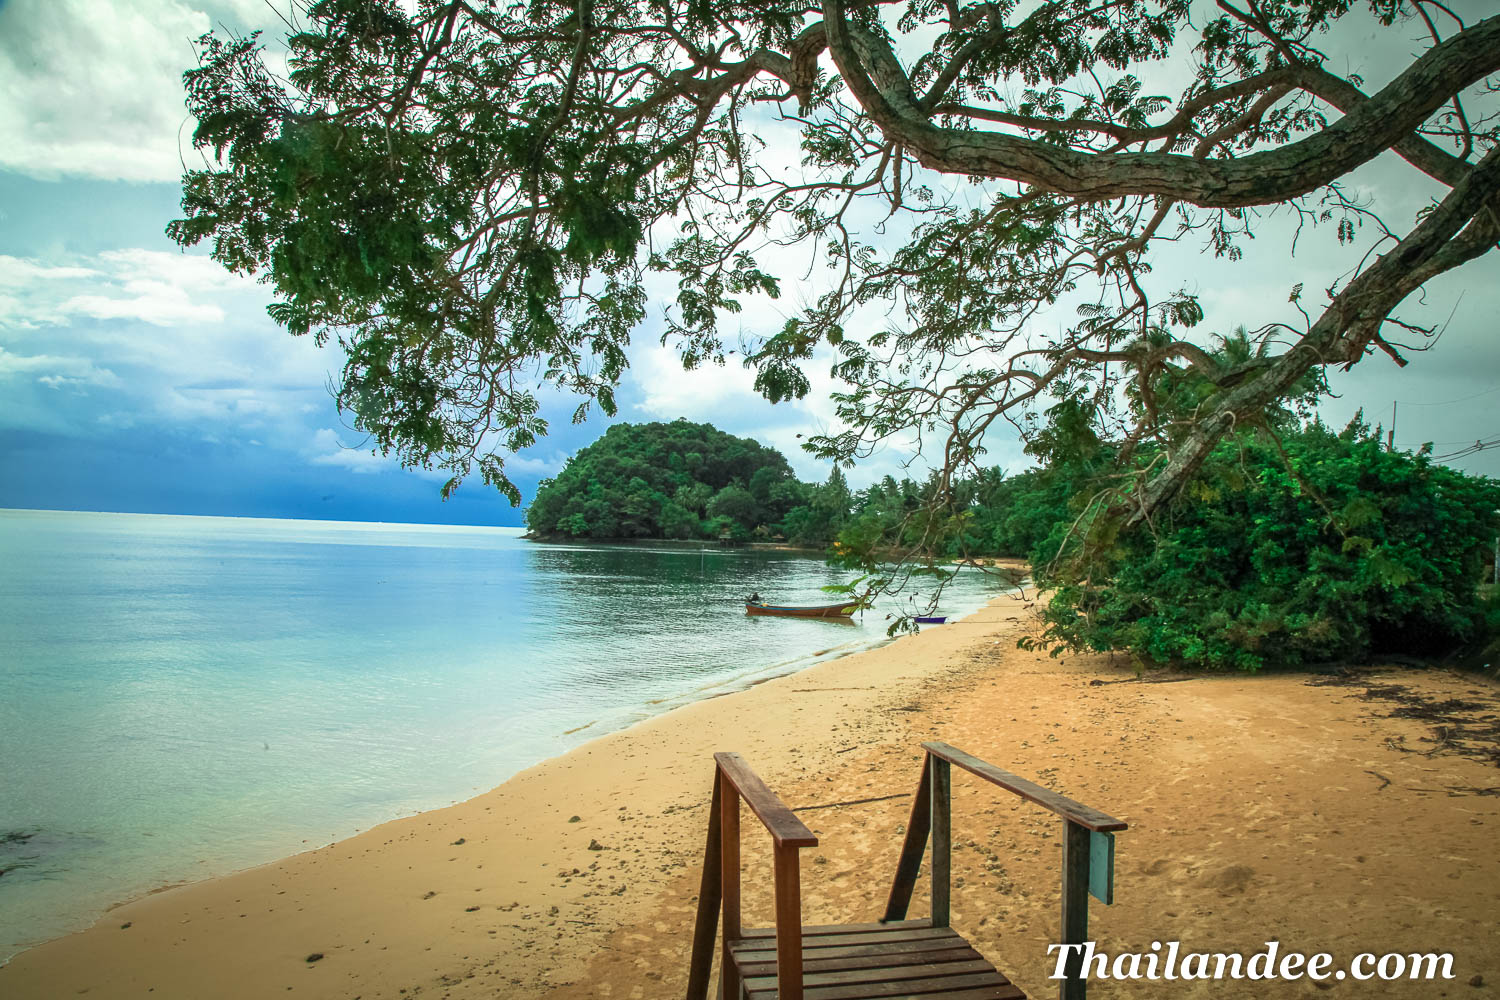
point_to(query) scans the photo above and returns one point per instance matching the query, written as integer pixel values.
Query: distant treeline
(1294, 544)
(682, 480)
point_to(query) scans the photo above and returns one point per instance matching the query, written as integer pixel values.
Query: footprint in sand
(1231, 881)
(1161, 866)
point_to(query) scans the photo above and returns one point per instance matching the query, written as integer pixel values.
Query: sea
(183, 697)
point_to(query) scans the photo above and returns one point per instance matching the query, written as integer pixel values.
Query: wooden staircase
(895, 957)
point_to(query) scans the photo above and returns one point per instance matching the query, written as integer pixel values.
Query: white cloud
(535, 465)
(153, 338)
(190, 272)
(152, 286)
(17, 272)
(55, 372)
(95, 89)
(670, 392)
(241, 405)
(328, 449)
(153, 302)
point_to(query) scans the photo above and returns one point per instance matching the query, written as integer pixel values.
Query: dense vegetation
(1298, 546)
(1324, 547)
(1293, 545)
(685, 480)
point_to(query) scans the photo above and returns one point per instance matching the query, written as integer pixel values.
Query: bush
(1357, 551)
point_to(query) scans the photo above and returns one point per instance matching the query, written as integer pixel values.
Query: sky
(138, 377)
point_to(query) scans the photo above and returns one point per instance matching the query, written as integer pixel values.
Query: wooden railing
(1087, 865)
(720, 888)
(1086, 831)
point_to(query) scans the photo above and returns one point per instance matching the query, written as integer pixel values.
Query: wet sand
(1271, 807)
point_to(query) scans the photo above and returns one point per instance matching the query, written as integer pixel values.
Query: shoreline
(57, 888)
(645, 714)
(1240, 791)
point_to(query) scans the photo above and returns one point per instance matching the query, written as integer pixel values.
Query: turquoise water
(185, 696)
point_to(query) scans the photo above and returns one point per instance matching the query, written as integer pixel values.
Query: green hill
(684, 480)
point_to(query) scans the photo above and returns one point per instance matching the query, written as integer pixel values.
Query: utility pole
(1390, 437)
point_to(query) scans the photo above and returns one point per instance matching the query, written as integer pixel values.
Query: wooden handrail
(706, 927)
(786, 829)
(719, 893)
(1075, 812)
(931, 818)
(1087, 832)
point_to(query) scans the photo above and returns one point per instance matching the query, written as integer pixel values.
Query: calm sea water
(185, 696)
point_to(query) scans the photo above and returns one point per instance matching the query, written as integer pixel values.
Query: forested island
(1304, 546)
(682, 480)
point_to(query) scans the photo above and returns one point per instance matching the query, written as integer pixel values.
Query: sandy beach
(1340, 813)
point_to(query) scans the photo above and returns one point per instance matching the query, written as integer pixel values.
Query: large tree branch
(1421, 153)
(879, 84)
(1347, 325)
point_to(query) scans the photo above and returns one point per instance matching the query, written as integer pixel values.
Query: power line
(1473, 449)
(1409, 445)
(1461, 399)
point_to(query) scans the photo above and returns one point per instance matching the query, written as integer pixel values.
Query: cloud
(535, 465)
(18, 273)
(328, 449)
(142, 338)
(154, 302)
(669, 392)
(190, 272)
(152, 286)
(55, 372)
(95, 89)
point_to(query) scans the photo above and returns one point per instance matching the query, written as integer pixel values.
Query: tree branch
(881, 87)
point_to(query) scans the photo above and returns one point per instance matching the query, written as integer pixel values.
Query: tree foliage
(1316, 547)
(471, 197)
(684, 480)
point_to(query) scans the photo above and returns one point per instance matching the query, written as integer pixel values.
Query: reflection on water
(186, 696)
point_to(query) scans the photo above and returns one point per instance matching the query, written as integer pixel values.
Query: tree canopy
(473, 196)
(679, 480)
(1317, 548)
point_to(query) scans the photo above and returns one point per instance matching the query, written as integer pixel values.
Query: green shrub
(1355, 551)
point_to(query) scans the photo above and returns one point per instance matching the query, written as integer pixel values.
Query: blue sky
(136, 377)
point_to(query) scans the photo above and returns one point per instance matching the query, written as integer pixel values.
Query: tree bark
(878, 83)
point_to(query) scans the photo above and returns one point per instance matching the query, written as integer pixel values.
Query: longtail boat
(820, 611)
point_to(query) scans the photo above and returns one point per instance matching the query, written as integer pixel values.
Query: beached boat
(931, 619)
(786, 611)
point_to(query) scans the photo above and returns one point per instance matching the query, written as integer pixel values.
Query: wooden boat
(932, 619)
(820, 611)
